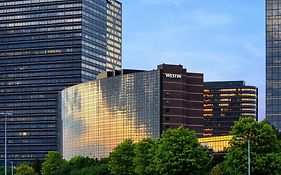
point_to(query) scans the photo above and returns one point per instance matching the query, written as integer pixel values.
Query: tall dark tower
(45, 46)
(273, 62)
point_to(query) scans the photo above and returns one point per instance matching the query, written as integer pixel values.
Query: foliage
(179, 152)
(122, 158)
(87, 166)
(54, 164)
(144, 155)
(265, 149)
(2, 170)
(217, 170)
(25, 169)
(80, 162)
(37, 166)
(92, 170)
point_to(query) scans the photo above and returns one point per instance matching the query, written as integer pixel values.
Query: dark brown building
(182, 98)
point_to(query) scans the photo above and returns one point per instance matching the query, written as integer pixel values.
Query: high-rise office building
(273, 63)
(226, 102)
(98, 115)
(45, 46)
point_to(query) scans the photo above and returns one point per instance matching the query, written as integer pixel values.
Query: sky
(224, 39)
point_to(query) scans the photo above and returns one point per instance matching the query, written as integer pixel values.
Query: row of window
(41, 74)
(32, 119)
(43, 22)
(41, 30)
(39, 44)
(39, 59)
(41, 66)
(40, 52)
(29, 104)
(40, 15)
(41, 81)
(28, 126)
(40, 37)
(25, 96)
(33, 133)
(29, 141)
(20, 9)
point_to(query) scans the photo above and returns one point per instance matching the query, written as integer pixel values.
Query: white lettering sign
(174, 76)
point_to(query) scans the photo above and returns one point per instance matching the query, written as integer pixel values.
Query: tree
(9, 170)
(217, 170)
(122, 158)
(179, 152)
(144, 155)
(37, 166)
(54, 164)
(92, 170)
(265, 149)
(25, 169)
(79, 162)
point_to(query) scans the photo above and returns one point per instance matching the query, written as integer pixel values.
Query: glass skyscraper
(273, 62)
(45, 46)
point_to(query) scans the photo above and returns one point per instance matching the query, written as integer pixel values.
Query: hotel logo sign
(173, 76)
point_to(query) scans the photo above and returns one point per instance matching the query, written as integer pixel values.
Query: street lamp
(12, 167)
(5, 114)
(249, 153)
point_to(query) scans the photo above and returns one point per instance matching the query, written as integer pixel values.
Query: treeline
(177, 152)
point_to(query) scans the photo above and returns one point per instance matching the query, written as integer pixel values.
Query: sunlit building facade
(226, 102)
(217, 144)
(46, 46)
(98, 115)
(273, 63)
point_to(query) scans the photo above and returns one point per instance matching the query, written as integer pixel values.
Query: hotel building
(100, 114)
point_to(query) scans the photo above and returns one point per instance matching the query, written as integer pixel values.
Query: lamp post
(12, 167)
(249, 157)
(5, 114)
(249, 153)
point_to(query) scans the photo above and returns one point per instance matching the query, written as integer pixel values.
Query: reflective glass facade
(217, 144)
(273, 63)
(225, 103)
(98, 115)
(45, 46)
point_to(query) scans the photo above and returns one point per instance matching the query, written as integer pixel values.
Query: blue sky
(224, 39)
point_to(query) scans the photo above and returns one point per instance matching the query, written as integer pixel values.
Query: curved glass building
(98, 115)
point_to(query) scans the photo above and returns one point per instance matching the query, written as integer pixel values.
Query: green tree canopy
(217, 170)
(54, 164)
(122, 158)
(265, 149)
(144, 155)
(37, 166)
(25, 169)
(179, 152)
(80, 162)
